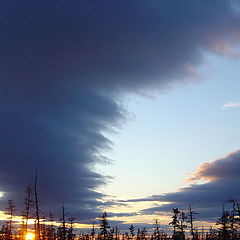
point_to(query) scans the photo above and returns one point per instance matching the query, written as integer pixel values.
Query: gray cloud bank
(63, 65)
(223, 179)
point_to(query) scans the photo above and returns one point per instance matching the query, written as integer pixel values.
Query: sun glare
(29, 236)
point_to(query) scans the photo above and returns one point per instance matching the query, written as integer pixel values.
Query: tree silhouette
(111, 234)
(143, 233)
(62, 228)
(50, 230)
(70, 230)
(93, 232)
(138, 234)
(131, 229)
(182, 225)
(225, 225)
(175, 222)
(10, 211)
(117, 233)
(156, 231)
(191, 220)
(28, 204)
(38, 235)
(104, 226)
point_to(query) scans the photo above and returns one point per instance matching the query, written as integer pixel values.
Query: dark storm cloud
(62, 139)
(62, 65)
(119, 43)
(207, 198)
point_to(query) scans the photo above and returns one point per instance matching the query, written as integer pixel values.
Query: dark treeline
(182, 225)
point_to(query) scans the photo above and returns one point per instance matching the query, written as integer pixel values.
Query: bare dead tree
(10, 211)
(156, 231)
(38, 234)
(93, 232)
(191, 220)
(63, 223)
(28, 204)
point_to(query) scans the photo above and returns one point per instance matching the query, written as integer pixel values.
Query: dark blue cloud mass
(64, 65)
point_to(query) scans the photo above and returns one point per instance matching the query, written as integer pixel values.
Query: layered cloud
(64, 67)
(222, 183)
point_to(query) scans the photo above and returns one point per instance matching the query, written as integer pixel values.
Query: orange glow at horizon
(30, 236)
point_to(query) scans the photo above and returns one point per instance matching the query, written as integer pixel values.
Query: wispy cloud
(231, 105)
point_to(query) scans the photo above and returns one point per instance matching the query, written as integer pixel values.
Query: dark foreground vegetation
(182, 226)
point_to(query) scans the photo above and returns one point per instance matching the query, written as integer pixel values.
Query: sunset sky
(130, 107)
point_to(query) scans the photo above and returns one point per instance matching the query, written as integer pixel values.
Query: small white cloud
(231, 105)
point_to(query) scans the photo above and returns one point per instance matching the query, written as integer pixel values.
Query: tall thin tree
(28, 204)
(10, 211)
(38, 234)
(63, 223)
(191, 220)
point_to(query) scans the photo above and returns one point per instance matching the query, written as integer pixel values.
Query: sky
(159, 161)
(180, 127)
(130, 106)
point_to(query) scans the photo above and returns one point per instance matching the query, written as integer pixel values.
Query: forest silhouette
(182, 225)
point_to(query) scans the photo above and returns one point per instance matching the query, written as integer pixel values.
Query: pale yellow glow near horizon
(150, 219)
(134, 206)
(4, 216)
(164, 218)
(19, 219)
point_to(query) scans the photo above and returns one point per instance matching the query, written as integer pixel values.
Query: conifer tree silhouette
(104, 226)
(131, 229)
